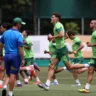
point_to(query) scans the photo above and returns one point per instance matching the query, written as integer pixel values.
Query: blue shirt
(12, 39)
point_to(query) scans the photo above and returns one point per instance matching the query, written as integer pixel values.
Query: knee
(90, 72)
(52, 67)
(70, 68)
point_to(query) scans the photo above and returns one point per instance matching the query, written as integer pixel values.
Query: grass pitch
(63, 89)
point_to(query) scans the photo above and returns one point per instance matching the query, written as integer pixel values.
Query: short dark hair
(27, 31)
(6, 25)
(70, 32)
(57, 15)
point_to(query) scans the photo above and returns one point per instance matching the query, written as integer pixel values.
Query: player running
(61, 52)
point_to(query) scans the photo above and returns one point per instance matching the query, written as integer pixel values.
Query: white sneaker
(55, 83)
(44, 86)
(77, 84)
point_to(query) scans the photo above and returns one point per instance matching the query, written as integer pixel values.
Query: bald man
(92, 67)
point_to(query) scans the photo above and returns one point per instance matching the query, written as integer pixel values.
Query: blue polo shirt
(12, 39)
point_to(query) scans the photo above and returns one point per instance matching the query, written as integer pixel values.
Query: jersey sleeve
(20, 41)
(78, 42)
(59, 28)
(29, 43)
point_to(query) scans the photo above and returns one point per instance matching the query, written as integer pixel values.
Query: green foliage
(72, 26)
(16, 6)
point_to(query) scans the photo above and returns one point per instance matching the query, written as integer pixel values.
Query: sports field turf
(63, 89)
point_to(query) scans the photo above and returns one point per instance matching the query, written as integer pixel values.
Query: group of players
(61, 53)
(18, 55)
(10, 58)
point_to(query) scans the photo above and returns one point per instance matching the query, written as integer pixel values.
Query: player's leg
(75, 66)
(89, 79)
(51, 70)
(75, 76)
(19, 84)
(7, 68)
(60, 69)
(55, 80)
(33, 64)
(14, 71)
(79, 71)
(2, 73)
(90, 76)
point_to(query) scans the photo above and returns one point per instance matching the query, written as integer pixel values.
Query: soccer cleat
(37, 82)
(77, 84)
(83, 90)
(19, 85)
(12, 95)
(26, 82)
(4, 92)
(44, 86)
(55, 83)
(1, 86)
(36, 67)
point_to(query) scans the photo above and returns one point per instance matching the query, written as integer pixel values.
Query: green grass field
(63, 89)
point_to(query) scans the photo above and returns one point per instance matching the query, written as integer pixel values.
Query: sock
(18, 82)
(87, 86)
(77, 81)
(25, 80)
(55, 80)
(48, 82)
(64, 68)
(37, 79)
(86, 65)
(5, 87)
(10, 93)
(1, 82)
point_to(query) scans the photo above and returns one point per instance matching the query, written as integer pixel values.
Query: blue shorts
(12, 63)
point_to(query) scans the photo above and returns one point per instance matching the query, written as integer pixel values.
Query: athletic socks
(48, 82)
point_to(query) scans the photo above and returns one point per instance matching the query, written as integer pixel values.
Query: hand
(45, 52)
(22, 62)
(25, 42)
(74, 52)
(89, 44)
(1, 58)
(50, 37)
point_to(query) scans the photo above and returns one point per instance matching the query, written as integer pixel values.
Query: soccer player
(61, 52)
(92, 67)
(52, 49)
(3, 28)
(14, 54)
(78, 55)
(28, 53)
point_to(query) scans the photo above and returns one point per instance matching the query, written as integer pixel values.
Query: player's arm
(66, 36)
(1, 48)
(90, 44)
(20, 48)
(80, 47)
(27, 44)
(48, 52)
(27, 47)
(70, 52)
(60, 34)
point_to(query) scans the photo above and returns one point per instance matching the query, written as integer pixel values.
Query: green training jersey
(60, 42)
(28, 53)
(75, 45)
(93, 41)
(52, 46)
